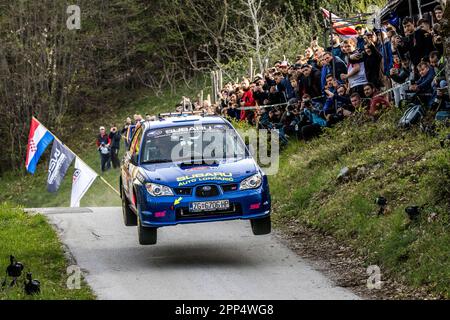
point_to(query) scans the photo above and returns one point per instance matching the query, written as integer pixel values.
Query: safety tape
(407, 83)
(271, 105)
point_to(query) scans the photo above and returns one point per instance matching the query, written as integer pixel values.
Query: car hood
(178, 175)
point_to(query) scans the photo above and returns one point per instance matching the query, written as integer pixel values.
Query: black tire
(129, 217)
(261, 226)
(147, 236)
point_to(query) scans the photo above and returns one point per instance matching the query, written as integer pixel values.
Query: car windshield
(205, 143)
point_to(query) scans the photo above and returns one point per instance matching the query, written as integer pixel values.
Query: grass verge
(32, 240)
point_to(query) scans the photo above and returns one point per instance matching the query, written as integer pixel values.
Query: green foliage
(406, 167)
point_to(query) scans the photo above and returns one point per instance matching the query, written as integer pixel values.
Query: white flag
(83, 177)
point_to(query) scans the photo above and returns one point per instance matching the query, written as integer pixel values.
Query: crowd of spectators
(362, 75)
(355, 75)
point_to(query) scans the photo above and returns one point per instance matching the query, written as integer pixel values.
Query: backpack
(443, 115)
(412, 116)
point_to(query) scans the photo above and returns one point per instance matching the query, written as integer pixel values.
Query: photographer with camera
(311, 123)
(115, 138)
(103, 147)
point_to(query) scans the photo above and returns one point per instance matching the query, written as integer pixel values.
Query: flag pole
(101, 178)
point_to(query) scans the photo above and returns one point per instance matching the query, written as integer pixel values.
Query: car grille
(183, 212)
(183, 191)
(207, 191)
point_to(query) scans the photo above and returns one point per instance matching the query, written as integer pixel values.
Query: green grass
(35, 244)
(406, 167)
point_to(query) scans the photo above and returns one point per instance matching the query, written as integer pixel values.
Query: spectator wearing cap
(259, 93)
(288, 89)
(103, 147)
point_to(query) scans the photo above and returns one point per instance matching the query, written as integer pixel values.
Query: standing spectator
(336, 48)
(247, 101)
(384, 47)
(332, 64)
(288, 89)
(124, 132)
(115, 137)
(309, 81)
(360, 39)
(103, 146)
(372, 64)
(415, 42)
(356, 72)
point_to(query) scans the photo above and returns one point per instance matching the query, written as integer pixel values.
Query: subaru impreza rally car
(191, 169)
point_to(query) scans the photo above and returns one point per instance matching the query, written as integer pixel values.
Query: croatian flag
(341, 26)
(38, 140)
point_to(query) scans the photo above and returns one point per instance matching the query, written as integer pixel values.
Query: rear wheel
(261, 226)
(129, 217)
(147, 235)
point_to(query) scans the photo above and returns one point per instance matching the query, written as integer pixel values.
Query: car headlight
(158, 190)
(252, 182)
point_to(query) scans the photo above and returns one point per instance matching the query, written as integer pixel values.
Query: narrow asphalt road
(199, 261)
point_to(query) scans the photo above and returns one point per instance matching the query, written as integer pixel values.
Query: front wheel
(261, 226)
(147, 235)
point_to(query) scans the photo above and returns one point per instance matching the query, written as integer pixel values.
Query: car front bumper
(173, 210)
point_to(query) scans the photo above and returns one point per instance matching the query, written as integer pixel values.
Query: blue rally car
(191, 169)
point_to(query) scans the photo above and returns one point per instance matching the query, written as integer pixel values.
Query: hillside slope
(406, 167)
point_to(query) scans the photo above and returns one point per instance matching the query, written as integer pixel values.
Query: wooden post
(213, 85)
(201, 98)
(218, 88)
(419, 6)
(220, 79)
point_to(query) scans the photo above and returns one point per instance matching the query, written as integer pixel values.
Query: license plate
(210, 206)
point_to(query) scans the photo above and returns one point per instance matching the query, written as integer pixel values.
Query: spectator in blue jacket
(423, 87)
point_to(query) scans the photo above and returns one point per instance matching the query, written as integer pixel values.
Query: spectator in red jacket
(247, 101)
(377, 102)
